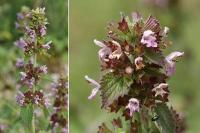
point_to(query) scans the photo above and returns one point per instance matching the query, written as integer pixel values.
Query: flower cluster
(59, 117)
(32, 23)
(135, 70)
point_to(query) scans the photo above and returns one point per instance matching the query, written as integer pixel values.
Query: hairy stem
(34, 89)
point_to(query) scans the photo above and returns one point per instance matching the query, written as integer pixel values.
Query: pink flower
(117, 53)
(170, 62)
(136, 17)
(20, 98)
(139, 63)
(106, 53)
(23, 75)
(47, 45)
(159, 90)
(43, 69)
(133, 106)
(20, 43)
(42, 30)
(149, 39)
(96, 87)
(19, 63)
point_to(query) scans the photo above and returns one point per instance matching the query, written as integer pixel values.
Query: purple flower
(47, 101)
(136, 17)
(47, 45)
(21, 43)
(31, 33)
(19, 63)
(42, 30)
(37, 99)
(170, 62)
(20, 16)
(105, 53)
(96, 87)
(23, 76)
(20, 98)
(30, 82)
(117, 53)
(17, 25)
(43, 69)
(149, 39)
(133, 106)
(159, 90)
(139, 63)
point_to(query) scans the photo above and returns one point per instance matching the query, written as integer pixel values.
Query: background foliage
(88, 20)
(56, 12)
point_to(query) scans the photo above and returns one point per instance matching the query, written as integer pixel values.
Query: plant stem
(33, 122)
(34, 88)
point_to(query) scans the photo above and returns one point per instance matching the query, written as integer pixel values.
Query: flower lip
(149, 39)
(98, 43)
(19, 63)
(159, 90)
(174, 56)
(170, 62)
(107, 53)
(133, 106)
(136, 16)
(96, 85)
(139, 63)
(118, 52)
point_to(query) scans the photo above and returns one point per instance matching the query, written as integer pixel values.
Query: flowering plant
(135, 73)
(31, 95)
(32, 23)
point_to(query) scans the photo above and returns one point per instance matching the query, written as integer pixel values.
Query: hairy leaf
(113, 86)
(154, 57)
(165, 121)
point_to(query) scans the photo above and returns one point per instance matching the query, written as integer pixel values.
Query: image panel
(34, 66)
(134, 66)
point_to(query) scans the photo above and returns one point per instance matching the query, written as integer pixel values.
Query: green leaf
(113, 86)
(154, 57)
(165, 121)
(26, 115)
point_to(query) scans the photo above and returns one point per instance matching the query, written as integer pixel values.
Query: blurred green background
(88, 20)
(56, 12)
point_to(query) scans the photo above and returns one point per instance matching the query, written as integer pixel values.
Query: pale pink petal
(139, 63)
(117, 53)
(149, 39)
(133, 106)
(96, 87)
(98, 43)
(159, 90)
(174, 55)
(170, 62)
